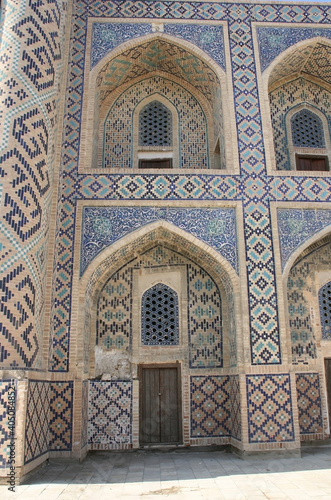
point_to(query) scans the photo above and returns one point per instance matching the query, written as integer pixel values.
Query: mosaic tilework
(114, 320)
(204, 320)
(287, 97)
(300, 294)
(85, 393)
(235, 405)
(110, 414)
(297, 226)
(60, 423)
(7, 418)
(274, 40)
(204, 187)
(324, 300)
(210, 407)
(309, 403)
(269, 404)
(104, 226)
(37, 420)
(107, 36)
(28, 126)
(157, 55)
(208, 38)
(118, 128)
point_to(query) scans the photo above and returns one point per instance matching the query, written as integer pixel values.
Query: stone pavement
(181, 474)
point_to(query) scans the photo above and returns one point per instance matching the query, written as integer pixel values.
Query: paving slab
(180, 474)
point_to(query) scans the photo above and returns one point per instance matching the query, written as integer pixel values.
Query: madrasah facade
(165, 226)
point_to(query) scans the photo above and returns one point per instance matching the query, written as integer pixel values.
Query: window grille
(324, 297)
(307, 130)
(159, 316)
(155, 125)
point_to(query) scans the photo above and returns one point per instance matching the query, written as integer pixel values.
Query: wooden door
(160, 409)
(328, 384)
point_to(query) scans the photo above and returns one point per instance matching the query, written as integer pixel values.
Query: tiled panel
(204, 320)
(109, 414)
(104, 226)
(210, 407)
(7, 419)
(235, 407)
(61, 410)
(269, 405)
(37, 420)
(275, 40)
(297, 226)
(309, 403)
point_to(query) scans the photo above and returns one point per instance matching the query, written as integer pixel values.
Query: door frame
(177, 365)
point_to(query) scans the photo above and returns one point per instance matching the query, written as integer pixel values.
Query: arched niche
(299, 80)
(140, 261)
(136, 70)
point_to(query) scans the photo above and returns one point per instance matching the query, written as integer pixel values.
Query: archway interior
(301, 80)
(176, 75)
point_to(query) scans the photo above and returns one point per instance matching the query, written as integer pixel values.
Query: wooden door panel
(160, 410)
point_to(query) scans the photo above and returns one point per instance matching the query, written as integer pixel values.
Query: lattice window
(155, 125)
(159, 316)
(324, 297)
(307, 130)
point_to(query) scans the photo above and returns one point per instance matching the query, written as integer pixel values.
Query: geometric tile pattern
(269, 405)
(37, 420)
(7, 419)
(60, 423)
(109, 414)
(235, 407)
(204, 319)
(30, 73)
(296, 226)
(309, 403)
(253, 187)
(275, 40)
(103, 226)
(287, 97)
(300, 294)
(324, 299)
(210, 407)
(114, 320)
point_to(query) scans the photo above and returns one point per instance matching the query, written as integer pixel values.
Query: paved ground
(212, 475)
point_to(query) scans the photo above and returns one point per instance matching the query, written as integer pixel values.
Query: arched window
(307, 130)
(159, 316)
(155, 125)
(155, 135)
(324, 298)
